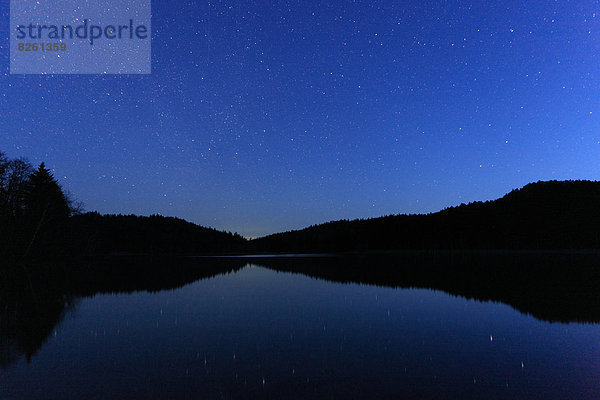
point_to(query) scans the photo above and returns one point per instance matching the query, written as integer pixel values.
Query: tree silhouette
(14, 176)
(46, 209)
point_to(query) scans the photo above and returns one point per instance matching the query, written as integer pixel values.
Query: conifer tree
(46, 208)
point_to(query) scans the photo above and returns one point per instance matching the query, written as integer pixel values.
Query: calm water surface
(258, 333)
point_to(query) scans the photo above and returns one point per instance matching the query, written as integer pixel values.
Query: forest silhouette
(534, 249)
(38, 219)
(540, 216)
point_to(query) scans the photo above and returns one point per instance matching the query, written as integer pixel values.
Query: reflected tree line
(34, 299)
(554, 287)
(52, 254)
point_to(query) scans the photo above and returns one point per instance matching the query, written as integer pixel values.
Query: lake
(275, 329)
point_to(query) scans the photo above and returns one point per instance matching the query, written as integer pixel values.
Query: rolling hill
(542, 215)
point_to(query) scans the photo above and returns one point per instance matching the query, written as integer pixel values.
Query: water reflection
(554, 287)
(34, 299)
(261, 333)
(29, 311)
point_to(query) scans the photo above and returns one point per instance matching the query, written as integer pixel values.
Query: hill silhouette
(38, 220)
(542, 215)
(92, 233)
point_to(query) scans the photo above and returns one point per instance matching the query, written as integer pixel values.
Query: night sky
(261, 117)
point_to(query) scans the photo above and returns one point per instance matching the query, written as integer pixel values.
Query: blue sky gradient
(259, 118)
